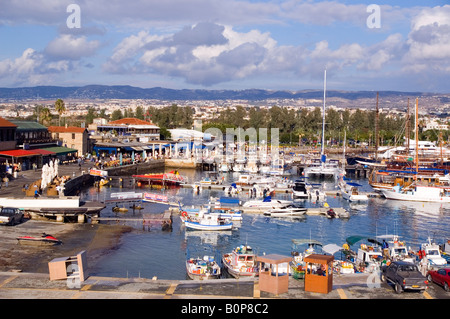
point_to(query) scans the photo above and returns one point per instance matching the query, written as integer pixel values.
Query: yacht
(323, 167)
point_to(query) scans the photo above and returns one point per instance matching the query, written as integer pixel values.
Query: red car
(441, 277)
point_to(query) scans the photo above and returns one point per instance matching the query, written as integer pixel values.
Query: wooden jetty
(163, 220)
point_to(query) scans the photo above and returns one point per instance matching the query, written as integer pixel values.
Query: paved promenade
(38, 286)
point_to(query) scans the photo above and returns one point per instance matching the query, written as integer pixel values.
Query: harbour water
(148, 252)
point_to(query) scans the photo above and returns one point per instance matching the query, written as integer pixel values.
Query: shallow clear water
(153, 252)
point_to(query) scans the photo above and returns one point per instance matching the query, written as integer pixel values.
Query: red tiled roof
(19, 153)
(6, 123)
(131, 121)
(63, 129)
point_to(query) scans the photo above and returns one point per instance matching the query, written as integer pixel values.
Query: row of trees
(292, 124)
(307, 124)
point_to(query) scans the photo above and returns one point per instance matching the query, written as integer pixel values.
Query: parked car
(10, 216)
(440, 276)
(404, 275)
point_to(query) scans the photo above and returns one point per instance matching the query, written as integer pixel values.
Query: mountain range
(158, 93)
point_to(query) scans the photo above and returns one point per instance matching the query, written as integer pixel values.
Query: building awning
(60, 150)
(19, 153)
(43, 152)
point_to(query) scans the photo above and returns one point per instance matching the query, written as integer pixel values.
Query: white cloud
(69, 47)
(429, 41)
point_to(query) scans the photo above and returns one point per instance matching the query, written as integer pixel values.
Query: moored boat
(419, 193)
(288, 210)
(301, 190)
(206, 222)
(241, 262)
(430, 250)
(202, 268)
(350, 191)
(266, 203)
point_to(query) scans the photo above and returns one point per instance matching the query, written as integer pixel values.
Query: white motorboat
(350, 191)
(224, 167)
(203, 268)
(241, 262)
(301, 190)
(317, 193)
(266, 203)
(289, 210)
(419, 193)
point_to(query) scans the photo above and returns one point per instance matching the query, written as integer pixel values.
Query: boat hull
(199, 226)
(236, 273)
(422, 194)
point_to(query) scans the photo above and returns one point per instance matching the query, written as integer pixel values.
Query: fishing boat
(430, 250)
(396, 249)
(299, 253)
(241, 262)
(214, 207)
(369, 255)
(171, 178)
(206, 222)
(284, 211)
(202, 268)
(445, 251)
(44, 240)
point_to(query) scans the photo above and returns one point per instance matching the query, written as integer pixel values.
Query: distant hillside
(158, 93)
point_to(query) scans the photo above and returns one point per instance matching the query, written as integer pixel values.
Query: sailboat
(323, 167)
(418, 191)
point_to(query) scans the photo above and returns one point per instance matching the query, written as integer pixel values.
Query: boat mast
(376, 132)
(323, 119)
(417, 136)
(408, 134)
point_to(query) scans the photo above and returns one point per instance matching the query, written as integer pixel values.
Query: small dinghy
(45, 239)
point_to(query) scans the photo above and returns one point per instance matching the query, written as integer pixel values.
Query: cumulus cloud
(429, 40)
(30, 68)
(69, 47)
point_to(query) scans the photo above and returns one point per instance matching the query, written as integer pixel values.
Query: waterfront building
(72, 137)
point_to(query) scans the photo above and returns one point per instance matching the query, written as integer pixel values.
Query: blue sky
(233, 44)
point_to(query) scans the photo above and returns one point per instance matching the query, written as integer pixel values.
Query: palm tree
(60, 108)
(45, 116)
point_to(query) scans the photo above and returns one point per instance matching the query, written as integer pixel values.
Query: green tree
(116, 115)
(139, 114)
(60, 107)
(45, 116)
(91, 115)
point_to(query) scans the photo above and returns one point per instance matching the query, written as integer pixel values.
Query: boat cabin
(368, 258)
(243, 256)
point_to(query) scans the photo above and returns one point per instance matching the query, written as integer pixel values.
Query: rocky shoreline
(96, 239)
